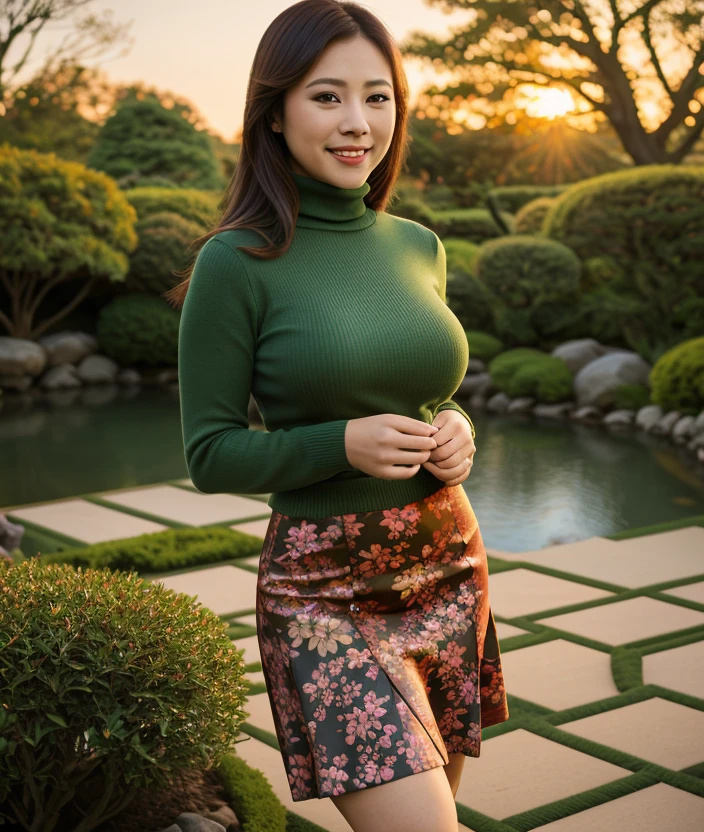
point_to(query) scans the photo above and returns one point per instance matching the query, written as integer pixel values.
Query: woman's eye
(323, 94)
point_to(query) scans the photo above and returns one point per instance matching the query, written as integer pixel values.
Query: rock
(559, 410)
(192, 822)
(10, 533)
(578, 353)
(620, 418)
(587, 415)
(648, 416)
(597, 383)
(475, 365)
(60, 377)
(173, 828)
(479, 383)
(167, 376)
(683, 429)
(664, 426)
(498, 403)
(129, 376)
(697, 442)
(226, 817)
(522, 404)
(699, 423)
(21, 357)
(19, 383)
(97, 369)
(700, 454)
(68, 347)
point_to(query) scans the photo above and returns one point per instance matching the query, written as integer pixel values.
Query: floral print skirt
(377, 641)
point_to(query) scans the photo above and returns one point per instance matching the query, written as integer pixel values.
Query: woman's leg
(453, 770)
(416, 803)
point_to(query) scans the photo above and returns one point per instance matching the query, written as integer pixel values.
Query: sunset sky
(203, 50)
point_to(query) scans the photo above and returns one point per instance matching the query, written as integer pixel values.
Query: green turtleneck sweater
(350, 322)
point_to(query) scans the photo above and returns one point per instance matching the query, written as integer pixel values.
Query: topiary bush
(483, 345)
(139, 329)
(473, 224)
(164, 240)
(529, 219)
(198, 206)
(461, 255)
(631, 397)
(251, 797)
(413, 208)
(529, 372)
(512, 198)
(108, 685)
(677, 378)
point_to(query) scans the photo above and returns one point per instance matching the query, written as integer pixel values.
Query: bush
(528, 372)
(139, 329)
(461, 255)
(61, 222)
(483, 345)
(529, 220)
(413, 208)
(631, 397)
(473, 224)
(677, 378)
(108, 685)
(251, 797)
(512, 198)
(195, 205)
(649, 220)
(164, 240)
(162, 551)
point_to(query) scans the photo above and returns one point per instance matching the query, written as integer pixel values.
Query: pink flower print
(452, 655)
(416, 579)
(394, 521)
(355, 658)
(385, 740)
(372, 705)
(373, 671)
(327, 632)
(300, 628)
(301, 541)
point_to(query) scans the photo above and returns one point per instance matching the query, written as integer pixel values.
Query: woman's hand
(453, 458)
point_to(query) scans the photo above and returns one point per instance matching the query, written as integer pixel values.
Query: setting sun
(540, 102)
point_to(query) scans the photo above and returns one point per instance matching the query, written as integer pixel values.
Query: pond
(533, 484)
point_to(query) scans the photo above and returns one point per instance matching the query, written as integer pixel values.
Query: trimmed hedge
(139, 329)
(677, 378)
(529, 220)
(251, 796)
(529, 372)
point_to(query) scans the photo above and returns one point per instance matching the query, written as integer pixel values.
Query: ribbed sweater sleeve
(216, 355)
(441, 272)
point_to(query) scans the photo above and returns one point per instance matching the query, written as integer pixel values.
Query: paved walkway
(602, 645)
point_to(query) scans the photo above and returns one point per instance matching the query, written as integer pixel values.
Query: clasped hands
(453, 458)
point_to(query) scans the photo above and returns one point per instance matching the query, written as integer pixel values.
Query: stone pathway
(602, 645)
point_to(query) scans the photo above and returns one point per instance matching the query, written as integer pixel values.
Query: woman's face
(319, 115)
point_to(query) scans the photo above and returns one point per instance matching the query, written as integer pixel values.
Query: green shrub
(473, 224)
(251, 796)
(529, 372)
(139, 329)
(108, 686)
(199, 206)
(529, 219)
(61, 223)
(162, 551)
(144, 137)
(631, 397)
(677, 378)
(164, 240)
(413, 208)
(649, 220)
(461, 255)
(483, 345)
(512, 198)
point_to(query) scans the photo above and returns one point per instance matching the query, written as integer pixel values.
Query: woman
(377, 640)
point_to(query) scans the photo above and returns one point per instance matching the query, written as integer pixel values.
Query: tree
(26, 18)
(614, 56)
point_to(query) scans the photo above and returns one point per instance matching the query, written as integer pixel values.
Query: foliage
(512, 198)
(61, 221)
(108, 686)
(161, 551)
(665, 44)
(529, 219)
(460, 255)
(251, 796)
(190, 203)
(677, 378)
(631, 397)
(483, 345)
(145, 137)
(529, 372)
(138, 329)
(473, 224)
(648, 226)
(164, 239)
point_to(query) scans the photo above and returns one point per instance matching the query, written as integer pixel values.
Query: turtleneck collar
(328, 207)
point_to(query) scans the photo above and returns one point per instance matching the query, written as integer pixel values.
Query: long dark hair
(262, 194)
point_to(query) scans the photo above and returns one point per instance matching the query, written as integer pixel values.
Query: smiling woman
(378, 643)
